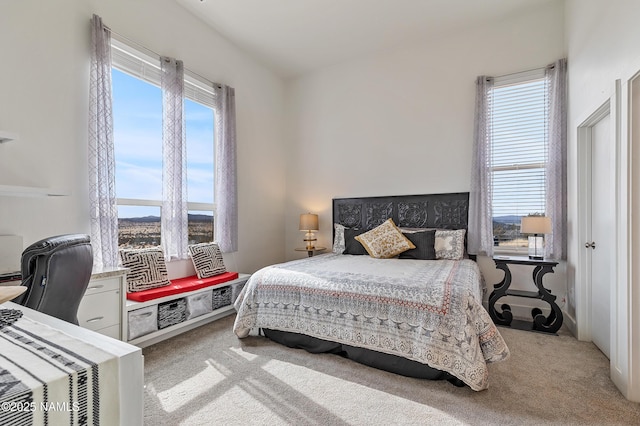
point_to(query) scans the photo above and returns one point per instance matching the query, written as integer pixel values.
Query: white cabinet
(101, 308)
(105, 308)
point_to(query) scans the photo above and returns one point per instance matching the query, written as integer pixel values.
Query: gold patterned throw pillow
(385, 241)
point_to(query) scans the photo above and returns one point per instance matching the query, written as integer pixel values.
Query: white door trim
(583, 273)
(625, 293)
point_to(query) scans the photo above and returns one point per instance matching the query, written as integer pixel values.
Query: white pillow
(450, 244)
(338, 239)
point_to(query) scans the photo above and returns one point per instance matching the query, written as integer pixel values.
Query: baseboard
(571, 324)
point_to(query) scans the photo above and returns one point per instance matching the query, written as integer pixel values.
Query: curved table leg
(553, 322)
(505, 317)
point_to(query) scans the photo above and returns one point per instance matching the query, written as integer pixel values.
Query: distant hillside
(153, 219)
(510, 219)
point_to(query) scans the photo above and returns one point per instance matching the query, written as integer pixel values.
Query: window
(519, 134)
(137, 123)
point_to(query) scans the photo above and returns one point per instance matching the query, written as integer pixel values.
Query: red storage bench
(181, 285)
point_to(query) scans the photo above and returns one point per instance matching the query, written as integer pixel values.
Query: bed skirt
(379, 360)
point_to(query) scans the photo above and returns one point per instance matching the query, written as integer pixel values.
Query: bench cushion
(181, 285)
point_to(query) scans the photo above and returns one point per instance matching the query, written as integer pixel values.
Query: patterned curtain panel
(226, 191)
(556, 190)
(102, 181)
(480, 237)
(174, 220)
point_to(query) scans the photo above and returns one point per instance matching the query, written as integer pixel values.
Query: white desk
(119, 372)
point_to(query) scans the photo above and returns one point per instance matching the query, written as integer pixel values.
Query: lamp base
(309, 238)
(536, 247)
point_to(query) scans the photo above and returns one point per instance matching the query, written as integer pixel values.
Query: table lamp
(536, 225)
(309, 224)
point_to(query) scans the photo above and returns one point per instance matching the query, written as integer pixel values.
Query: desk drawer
(99, 310)
(102, 285)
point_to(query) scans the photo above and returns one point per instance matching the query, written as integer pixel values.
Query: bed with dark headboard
(427, 211)
(419, 317)
(446, 211)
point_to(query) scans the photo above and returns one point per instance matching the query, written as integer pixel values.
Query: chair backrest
(56, 272)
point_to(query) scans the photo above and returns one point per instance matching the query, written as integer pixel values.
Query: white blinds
(146, 66)
(519, 150)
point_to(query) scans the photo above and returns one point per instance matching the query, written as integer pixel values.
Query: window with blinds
(137, 121)
(519, 131)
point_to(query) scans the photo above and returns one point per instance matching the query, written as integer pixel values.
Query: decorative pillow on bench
(147, 268)
(207, 259)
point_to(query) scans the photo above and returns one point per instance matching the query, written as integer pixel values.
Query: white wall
(603, 39)
(44, 96)
(401, 122)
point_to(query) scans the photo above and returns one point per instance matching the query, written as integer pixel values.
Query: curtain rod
(550, 66)
(152, 53)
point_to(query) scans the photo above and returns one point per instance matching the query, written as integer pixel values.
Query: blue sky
(137, 122)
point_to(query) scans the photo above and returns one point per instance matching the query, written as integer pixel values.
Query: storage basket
(221, 297)
(199, 304)
(172, 312)
(142, 321)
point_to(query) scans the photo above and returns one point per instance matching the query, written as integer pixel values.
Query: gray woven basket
(221, 297)
(172, 312)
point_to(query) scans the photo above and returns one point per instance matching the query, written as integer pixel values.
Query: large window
(137, 123)
(519, 134)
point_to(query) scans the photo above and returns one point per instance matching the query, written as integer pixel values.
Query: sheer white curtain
(226, 192)
(102, 180)
(174, 219)
(556, 189)
(480, 231)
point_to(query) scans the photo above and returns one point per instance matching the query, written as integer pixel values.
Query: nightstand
(550, 324)
(312, 251)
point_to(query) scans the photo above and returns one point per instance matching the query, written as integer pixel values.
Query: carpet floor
(209, 376)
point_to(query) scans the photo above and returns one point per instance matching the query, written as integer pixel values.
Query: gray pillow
(425, 245)
(351, 245)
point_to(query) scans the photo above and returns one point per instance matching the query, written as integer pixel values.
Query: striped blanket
(49, 377)
(428, 311)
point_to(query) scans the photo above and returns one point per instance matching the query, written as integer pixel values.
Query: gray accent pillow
(207, 259)
(351, 245)
(425, 245)
(147, 268)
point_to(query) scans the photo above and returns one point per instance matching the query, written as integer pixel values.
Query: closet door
(601, 245)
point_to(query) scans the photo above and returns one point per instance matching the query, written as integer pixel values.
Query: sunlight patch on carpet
(327, 391)
(189, 389)
(246, 355)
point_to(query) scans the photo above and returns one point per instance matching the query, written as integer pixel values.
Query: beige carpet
(208, 376)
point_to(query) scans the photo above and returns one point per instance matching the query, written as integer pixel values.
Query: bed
(418, 316)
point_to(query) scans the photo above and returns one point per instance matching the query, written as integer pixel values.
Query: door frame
(584, 282)
(625, 291)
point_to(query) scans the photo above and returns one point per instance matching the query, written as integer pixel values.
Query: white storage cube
(143, 321)
(199, 304)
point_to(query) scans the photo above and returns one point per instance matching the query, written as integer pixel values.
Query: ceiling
(296, 36)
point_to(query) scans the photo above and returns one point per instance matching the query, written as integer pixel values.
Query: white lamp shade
(308, 222)
(535, 225)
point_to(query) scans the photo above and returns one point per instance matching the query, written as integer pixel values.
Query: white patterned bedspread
(428, 311)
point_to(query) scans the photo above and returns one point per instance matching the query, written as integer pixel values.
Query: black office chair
(56, 272)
